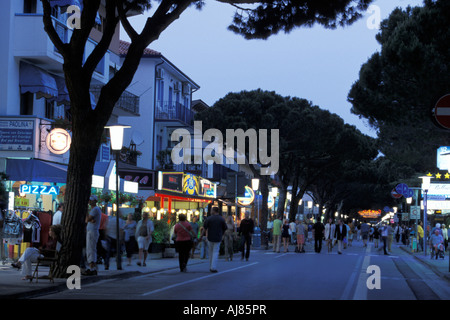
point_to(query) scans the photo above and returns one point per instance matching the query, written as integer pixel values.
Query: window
(26, 104)
(49, 109)
(29, 6)
(161, 92)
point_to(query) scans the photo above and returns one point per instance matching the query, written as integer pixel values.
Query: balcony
(127, 104)
(173, 111)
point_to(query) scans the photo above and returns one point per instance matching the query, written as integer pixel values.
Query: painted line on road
(361, 286)
(196, 279)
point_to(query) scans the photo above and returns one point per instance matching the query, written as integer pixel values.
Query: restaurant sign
(370, 214)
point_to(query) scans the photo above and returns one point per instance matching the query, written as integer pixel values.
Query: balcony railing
(173, 111)
(127, 102)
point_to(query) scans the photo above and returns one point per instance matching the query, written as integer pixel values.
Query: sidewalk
(440, 267)
(13, 287)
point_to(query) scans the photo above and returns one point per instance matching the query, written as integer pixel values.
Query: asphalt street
(270, 276)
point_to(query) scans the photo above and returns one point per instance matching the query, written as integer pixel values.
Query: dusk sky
(316, 64)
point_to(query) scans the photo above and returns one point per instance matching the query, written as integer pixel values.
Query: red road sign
(395, 194)
(442, 111)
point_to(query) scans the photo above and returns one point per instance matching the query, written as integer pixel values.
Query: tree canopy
(399, 86)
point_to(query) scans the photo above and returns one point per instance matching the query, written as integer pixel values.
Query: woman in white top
(144, 230)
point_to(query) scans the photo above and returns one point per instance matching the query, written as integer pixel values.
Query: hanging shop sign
(208, 188)
(38, 189)
(370, 214)
(16, 135)
(145, 178)
(58, 141)
(248, 198)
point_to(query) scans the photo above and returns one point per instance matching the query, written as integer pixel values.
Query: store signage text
(39, 189)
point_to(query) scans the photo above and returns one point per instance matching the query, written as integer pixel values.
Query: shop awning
(43, 171)
(35, 170)
(35, 80)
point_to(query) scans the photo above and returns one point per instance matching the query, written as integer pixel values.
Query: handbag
(190, 233)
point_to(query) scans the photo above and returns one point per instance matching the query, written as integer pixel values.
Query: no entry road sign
(442, 111)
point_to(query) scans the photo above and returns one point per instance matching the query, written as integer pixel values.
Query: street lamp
(426, 181)
(255, 187)
(116, 135)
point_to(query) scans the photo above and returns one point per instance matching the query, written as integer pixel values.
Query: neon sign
(39, 189)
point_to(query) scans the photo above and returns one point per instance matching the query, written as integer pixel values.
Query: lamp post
(116, 134)
(255, 187)
(425, 187)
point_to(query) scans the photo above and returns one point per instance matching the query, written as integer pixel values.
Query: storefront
(180, 192)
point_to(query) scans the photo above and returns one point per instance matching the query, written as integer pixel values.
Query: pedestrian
(364, 232)
(144, 230)
(101, 242)
(276, 232)
(214, 227)
(384, 237)
(228, 238)
(285, 235)
(300, 230)
(93, 220)
(436, 227)
(195, 228)
(330, 227)
(129, 237)
(445, 236)
(351, 233)
(184, 235)
(310, 235)
(246, 231)
(371, 230)
(340, 233)
(397, 232)
(318, 230)
(111, 238)
(437, 243)
(270, 228)
(390, 237)
(58, 214)
(292, 230)
(203, 241)
(420, 234)
(376, 237)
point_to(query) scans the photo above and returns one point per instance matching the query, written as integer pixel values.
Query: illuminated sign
(369, 213)
(39, 189)
(190, 184)
(248, 198)
(58, 141)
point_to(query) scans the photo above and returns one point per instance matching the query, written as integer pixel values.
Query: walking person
(195, 227)
(420, 235)
(330, 228)
(184, 236)
(228, 238)
(318, 230)
(340, 233)
(365, 232)
(58, 214)
(445, 236)
(384, 238)
(285, 235)
(397, 232)
(129, 237)
(92, 234)
(292, 229)
(144, 230)
(214, 227)
(111, 239)
(376, 237)
(276, 233)
(390, 237)
(203, 244)
(246, 231)
(300, 229)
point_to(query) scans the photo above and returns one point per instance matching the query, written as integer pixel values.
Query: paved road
(282, 276)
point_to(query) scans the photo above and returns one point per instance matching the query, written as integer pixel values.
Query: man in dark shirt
(246, 231)
(318, 229)
(214, 227)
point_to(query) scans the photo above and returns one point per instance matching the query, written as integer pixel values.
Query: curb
(429, 265)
